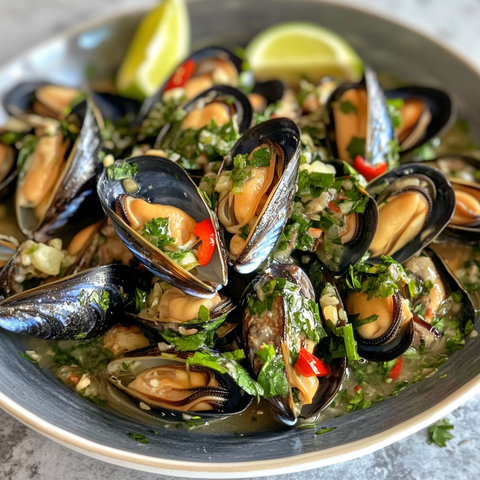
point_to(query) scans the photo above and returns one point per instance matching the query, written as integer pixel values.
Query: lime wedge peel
(293, 50)
(160, 43)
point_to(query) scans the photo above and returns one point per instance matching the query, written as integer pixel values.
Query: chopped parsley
(394, 107)
(190, 343)
(157, 232)
(381, 280)
(356, 147)
(272, 375)
(228, 362)
(26, 356)
(101, 299)
(121, 170)
(324, 430)
(348, 107)
(439, 433)
(138, 438)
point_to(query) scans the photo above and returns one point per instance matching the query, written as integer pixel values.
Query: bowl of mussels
(264, 262)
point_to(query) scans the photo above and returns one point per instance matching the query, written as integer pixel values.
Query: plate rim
(291, 464)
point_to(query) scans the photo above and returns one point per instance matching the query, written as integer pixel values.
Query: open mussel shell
(379, 129)
(162, 181)
(51, 100)
(227, 398)
(393, 343)
(73, 198)
(365, 229)
(433, 189)
(189, 327)
(193, 67)
(79, 306)
(275, 330)
(237, 103)
(271, 91)
(432, 113)
(274, 215)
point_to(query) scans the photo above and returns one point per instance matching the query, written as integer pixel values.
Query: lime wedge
(292, 50)
(160, 43)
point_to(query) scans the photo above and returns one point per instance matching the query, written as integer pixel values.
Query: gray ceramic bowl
(38, 400)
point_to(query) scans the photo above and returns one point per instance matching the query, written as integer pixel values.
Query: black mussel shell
(150, 357)
(271, 90)
(163, 182)
(113, 107)
(79, 306)
(436, 102)
(441, 200)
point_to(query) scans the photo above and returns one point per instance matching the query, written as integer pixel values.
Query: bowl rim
(294, 463)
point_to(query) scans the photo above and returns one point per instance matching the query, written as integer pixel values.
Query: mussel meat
(415, 203)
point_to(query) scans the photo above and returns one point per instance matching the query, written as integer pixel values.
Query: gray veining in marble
(25, 454)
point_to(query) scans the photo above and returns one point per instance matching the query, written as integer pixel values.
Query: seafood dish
(238, 252)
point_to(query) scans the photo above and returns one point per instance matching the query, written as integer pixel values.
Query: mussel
(78, 306)
(430, 268)
(200, 71)
(256, 185)
(162, 191)
(349, 232)
(387, 337)
(425, 113)
(281, 323)
(52, 100)
(163, 385)
(57, 183)
(216, 114)
(415, 203)
(359, 122)
(170, 309)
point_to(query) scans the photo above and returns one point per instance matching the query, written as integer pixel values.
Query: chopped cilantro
(357, 323)
(138, 438)
(272, 376)
(30, 359)
(394, 106)
(228, 363)
(457, 296)
(439, 433)
(121, 170)
(348, 107)
(157, 232)
(244, 232)
(261, 157)
(324, 430)
(356, 147)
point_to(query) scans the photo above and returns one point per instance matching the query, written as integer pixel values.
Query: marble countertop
(25, 454)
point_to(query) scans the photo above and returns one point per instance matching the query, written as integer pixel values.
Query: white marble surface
(24, 454)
